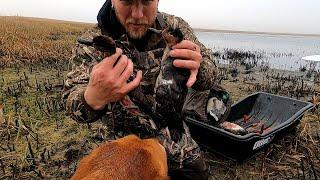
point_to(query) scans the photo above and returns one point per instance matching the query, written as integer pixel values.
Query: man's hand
(108, 80)
(187, 56)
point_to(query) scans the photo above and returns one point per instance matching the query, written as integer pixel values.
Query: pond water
(280, 51)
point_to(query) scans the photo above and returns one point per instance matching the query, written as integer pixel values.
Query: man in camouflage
(104, 88)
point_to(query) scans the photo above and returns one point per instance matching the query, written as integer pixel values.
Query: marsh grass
(32, 40)
(39, 141)
(34, 129)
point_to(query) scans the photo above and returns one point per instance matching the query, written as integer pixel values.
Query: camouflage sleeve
(208, 70)
(82, 60)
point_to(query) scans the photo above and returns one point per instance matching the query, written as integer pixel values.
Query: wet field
(39, 141)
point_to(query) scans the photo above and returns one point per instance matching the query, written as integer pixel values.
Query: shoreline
(255, 33)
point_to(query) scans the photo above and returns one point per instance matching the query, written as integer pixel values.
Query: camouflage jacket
(146, 56)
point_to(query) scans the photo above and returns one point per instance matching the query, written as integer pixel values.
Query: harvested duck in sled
(263, 116)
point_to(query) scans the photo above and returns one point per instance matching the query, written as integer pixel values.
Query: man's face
(136, 16)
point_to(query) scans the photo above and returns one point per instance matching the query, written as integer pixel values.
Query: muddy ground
(39, 141)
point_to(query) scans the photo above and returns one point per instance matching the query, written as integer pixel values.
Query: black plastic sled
(278, 115)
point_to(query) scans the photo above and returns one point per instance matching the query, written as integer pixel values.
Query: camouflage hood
(108, 22)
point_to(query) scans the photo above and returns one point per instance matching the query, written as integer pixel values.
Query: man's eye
(127, 2)
(147, 2)
(131, 2)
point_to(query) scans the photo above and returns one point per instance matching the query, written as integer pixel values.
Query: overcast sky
(287, 16)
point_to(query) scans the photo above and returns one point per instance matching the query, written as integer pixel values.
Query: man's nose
(137, 11)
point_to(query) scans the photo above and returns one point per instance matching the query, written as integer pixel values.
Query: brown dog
(127, 158)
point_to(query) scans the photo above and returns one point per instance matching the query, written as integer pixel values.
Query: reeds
(31, 40)
(39, 141)
(34, 55)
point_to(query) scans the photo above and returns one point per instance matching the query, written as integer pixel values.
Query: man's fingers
(127, 72)
(121, 65)
(185, 54)
(192, 79)
(186, 64)
(186, 44)
(135, 83)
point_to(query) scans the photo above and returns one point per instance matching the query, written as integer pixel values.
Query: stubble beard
(136, 33)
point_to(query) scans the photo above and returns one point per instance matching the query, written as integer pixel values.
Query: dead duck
(107, 45)
(102, 43)
(170, 87)
(233, 128)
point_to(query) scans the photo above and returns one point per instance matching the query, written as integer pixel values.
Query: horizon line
(194, 28)
(255, 32)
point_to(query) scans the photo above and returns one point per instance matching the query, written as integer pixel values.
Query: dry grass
(39, 141)
(35, 134)
(30, 40)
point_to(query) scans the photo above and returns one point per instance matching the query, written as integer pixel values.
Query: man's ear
(112, 3)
